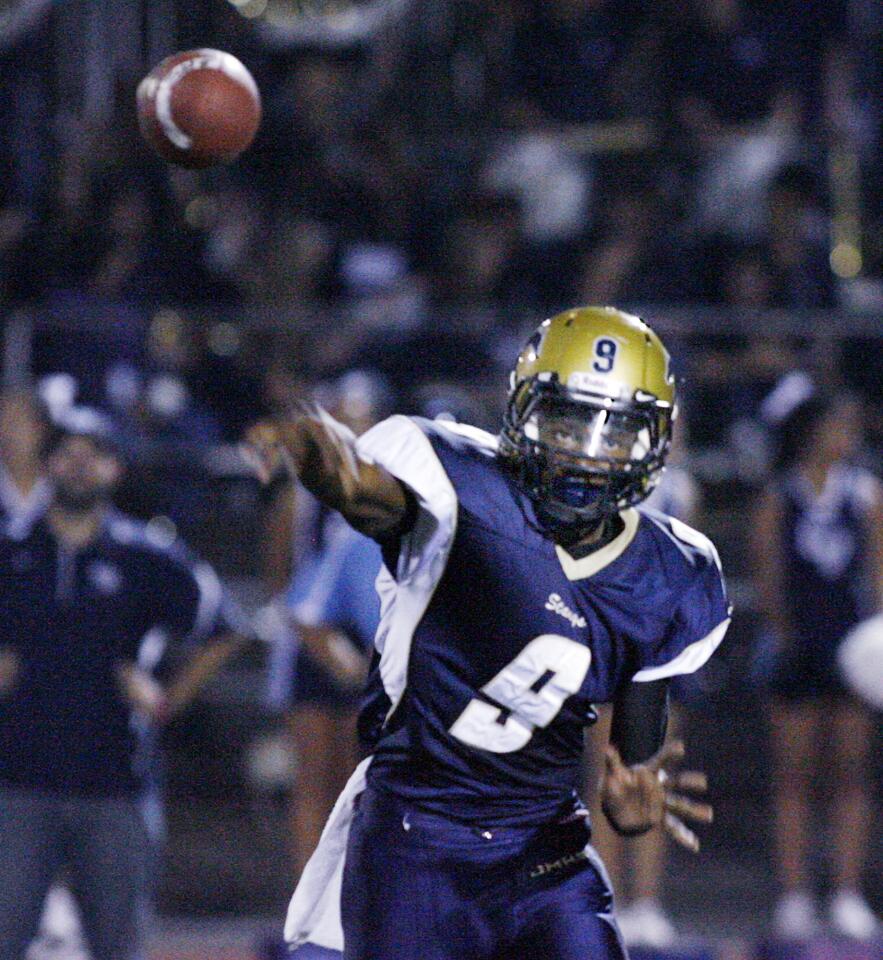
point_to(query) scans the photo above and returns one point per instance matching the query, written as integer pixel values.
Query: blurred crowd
(429, 190)
(417, 197)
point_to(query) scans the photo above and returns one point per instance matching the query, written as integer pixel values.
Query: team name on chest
(557, 605)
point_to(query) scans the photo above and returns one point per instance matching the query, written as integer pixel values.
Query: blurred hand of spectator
(737, 106)
(9, 667)
(143, 694)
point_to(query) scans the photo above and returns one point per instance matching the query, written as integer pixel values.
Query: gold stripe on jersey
(597, 561)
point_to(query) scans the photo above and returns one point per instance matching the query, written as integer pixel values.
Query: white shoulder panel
(401, 447)
(688, 660)
(482, 437)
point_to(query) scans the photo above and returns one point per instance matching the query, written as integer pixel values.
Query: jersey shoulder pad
(462, 437)
(700, 609)
(483, 487)
(680, 545)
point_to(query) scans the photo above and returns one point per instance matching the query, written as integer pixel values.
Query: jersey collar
(597, 561)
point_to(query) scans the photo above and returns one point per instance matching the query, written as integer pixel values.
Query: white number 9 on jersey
(533, 688)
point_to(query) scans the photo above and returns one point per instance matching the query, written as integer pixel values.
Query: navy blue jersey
(73, 618)
(495, 643)
(825, 553)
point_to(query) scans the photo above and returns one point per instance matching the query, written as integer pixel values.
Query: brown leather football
(198, 108)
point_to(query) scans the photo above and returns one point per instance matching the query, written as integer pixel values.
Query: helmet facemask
(582, 457)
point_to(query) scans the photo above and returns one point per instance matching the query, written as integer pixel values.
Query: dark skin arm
(638, 791)
(322, 453)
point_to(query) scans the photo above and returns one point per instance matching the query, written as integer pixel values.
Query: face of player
(576, 432)
(82, 473)
(584, 447)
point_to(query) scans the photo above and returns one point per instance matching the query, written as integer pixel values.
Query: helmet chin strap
(577, 532)
(568, 522)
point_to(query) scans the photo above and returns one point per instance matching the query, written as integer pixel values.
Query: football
(198, 108)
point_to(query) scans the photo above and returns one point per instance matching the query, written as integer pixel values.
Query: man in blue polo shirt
(79, 591)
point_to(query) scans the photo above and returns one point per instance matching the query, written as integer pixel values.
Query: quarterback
(520, 586)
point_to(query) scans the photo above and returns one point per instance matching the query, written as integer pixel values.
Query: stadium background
(431, 177)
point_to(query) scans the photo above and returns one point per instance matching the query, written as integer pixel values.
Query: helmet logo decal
(593, 383)
(534, 346)
(605, 350)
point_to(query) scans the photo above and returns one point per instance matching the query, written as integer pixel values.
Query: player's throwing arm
(321, 453)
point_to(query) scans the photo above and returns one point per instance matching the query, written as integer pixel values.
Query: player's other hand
(637, 798)
(9, 668)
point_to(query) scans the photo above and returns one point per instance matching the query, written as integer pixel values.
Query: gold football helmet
(589, 418)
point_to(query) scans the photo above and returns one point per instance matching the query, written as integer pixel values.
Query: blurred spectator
(787, 264)
(229, 232)
(80, 590)
(127, 264)
(24, 428)
(817, 546)
(746, 277)
(569, 59)
(163, 426)
(732, 54)
(478, 274)
(335, 612)
(735, 106)
(554, 189)
(156, 406)
(798, 232)
(339, 163)
(317, 674)
(16, 224)
(295, 274)
(640, 256)
(820, 68)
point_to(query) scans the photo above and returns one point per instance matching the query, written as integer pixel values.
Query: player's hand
(321, 452)
(262, 449)
(637, 798)
(310, 444)
(9, 668)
